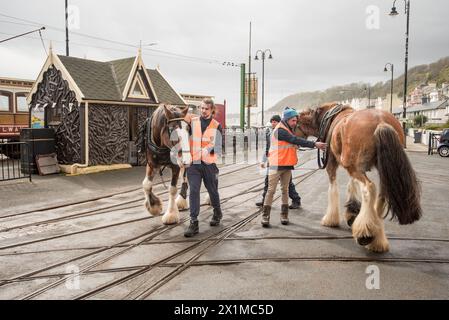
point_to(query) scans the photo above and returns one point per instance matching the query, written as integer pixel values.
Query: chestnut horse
(165, 139)
(359, 141)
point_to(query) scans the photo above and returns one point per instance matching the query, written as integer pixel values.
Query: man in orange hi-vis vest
(282, 158)
(205, 144)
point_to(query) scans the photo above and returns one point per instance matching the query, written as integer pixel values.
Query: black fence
(13, 164)
(434, 138)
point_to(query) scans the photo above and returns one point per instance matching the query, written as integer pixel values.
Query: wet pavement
(109, 247)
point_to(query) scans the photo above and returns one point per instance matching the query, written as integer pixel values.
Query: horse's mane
(311, 117)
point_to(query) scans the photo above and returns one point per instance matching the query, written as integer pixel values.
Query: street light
(395, 13)
(369, 96)
(389, 64)
(263, 53)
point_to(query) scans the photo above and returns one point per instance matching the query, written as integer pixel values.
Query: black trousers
(292, 194)
(208, 173)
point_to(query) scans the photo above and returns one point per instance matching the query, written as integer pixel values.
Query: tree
(419, 120)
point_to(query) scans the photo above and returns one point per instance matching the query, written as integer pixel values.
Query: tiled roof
(107, 80)
(165, 93)
(95, 79)
(423, 107)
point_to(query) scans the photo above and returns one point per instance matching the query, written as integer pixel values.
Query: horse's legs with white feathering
(152, 202)
(171, 216)
(368, 227)
(352, 202)
(332, 217)
(181, 199)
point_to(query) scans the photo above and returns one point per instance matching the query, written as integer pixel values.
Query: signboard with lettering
(252, 90)
(10, 130)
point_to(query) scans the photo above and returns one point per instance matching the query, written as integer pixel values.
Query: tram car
(14, 112)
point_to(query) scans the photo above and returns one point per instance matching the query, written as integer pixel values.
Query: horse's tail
(398, 182)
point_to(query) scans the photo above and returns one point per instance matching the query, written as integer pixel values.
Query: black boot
(192, 230)
(295, 204)
(215, 221)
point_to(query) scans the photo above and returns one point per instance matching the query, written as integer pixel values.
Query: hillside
(437, 72)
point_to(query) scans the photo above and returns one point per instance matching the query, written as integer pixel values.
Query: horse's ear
(168, 112)
(184, 111)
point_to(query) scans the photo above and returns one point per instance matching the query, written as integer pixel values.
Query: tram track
(129, 247)
(152, 233)
(110, 195)
(224, 233)
(102, 210)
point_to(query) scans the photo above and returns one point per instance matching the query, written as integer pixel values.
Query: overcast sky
(315, 44)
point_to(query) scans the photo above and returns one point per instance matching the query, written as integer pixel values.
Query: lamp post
(369, 96)
(395, 13)
(391, 84)
(263, 54)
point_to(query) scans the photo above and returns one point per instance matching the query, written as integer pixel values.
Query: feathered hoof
(181, 203)
(170, 218)
(153, 210)
(350, 218)
(379, 246)
(330, 222)
(364, 241)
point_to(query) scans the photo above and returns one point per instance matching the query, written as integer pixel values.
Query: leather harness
(325, 134)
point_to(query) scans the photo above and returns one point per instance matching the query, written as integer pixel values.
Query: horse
(165, 138)
(359, 141)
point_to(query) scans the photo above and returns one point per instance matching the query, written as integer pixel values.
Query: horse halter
(170, 129)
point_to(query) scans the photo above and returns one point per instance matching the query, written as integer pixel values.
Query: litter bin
(418, 135)
(40, 141)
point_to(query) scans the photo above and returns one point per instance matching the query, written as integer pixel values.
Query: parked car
(443, 145)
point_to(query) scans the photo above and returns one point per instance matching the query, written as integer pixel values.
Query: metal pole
(391, 90)
(242, 96)
(263, 85)
(404, 114)
(249, 79)
(368, 88)
(66, 29)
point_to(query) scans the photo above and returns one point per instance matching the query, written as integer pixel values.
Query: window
(21, 102)
(5, 101)
(138, 90)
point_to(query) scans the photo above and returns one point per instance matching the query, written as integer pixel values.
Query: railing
(14, 161)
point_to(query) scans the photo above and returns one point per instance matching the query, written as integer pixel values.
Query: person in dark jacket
(292, 193)
(282, 158)
(205, 145)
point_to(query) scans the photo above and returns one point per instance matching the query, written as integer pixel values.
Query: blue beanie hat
(289, 113)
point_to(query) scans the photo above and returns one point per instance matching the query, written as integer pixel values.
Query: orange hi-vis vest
(200, 141)
(282, 153)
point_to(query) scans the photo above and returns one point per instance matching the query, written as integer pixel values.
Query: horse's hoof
(351, 221)
(364, 241)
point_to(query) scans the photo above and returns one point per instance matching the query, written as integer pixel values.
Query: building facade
(97, 107)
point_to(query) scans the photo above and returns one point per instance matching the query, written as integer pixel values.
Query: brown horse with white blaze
(359, 141)
(165, 139)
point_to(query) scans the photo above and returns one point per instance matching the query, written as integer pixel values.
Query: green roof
(165, 93)
(95, 79)
(107, 80)
(122, 70)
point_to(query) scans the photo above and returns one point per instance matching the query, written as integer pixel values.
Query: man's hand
(321, 145)
(263, 165)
